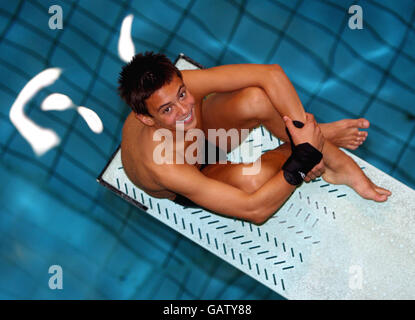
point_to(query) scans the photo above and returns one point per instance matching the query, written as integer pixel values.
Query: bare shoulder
(136, 156)
(130, 145)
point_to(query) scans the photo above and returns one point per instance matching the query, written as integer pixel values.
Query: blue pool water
(52, 210)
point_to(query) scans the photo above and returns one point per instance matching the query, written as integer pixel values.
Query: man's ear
(147, 120)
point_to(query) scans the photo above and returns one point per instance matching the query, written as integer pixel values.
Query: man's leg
(250, 107)
(341, 169)
(247, 108)
(233, 173)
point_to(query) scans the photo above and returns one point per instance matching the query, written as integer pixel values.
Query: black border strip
(123, 195)
(99, 178)
(115, 190)
(111, 187)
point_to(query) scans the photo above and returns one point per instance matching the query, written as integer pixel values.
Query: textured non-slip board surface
(326, 242)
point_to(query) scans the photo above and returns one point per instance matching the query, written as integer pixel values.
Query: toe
(361, 137)
(373, 194)
(381, 194)
(352, 146)
(380, 197)
(382, 191)
(363, 123)
(360, 140)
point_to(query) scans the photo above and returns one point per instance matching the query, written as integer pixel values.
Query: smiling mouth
(187, 119)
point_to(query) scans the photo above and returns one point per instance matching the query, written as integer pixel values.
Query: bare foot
(350, 174)
(345, 133)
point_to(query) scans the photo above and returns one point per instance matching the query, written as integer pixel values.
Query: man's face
(172, 107)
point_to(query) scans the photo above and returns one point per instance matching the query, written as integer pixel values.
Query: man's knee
(254, 103)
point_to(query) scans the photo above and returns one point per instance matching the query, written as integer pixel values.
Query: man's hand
(310, 133)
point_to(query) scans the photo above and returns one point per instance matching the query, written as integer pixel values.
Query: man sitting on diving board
(241, 96)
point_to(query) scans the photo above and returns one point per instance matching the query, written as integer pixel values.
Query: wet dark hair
(142, 76)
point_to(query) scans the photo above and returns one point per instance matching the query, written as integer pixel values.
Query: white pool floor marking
(326, 242)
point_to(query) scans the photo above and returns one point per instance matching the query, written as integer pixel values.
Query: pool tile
(106, 10)
(159, 12)
(301, 68)
(254, 39)
(406, 163)
(402, 69)
(395, 122)
(391, 90)
(343, 97)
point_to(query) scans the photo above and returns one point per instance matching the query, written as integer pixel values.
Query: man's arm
(271, 78)
(225, 199)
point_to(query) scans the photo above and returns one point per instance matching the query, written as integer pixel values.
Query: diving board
(326, 242)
